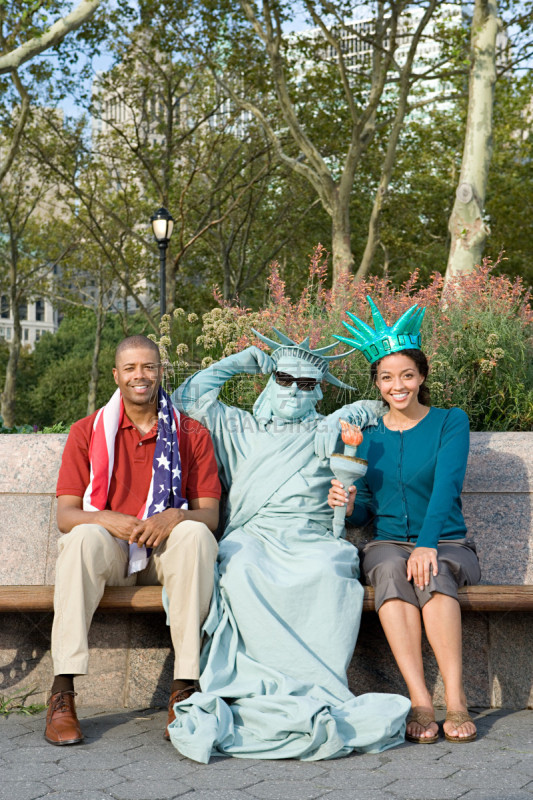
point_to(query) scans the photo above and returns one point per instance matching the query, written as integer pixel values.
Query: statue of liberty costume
(287, 602)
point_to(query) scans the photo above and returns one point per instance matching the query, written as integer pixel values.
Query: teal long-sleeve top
(412, 489)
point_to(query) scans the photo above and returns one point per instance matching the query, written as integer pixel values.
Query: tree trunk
(10, 383)
(125, 314)
(95, 374)
(373, 234)
(342, 256)
(171, 275)
(468, 231)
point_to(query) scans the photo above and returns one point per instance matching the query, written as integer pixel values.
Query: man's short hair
(138, 340)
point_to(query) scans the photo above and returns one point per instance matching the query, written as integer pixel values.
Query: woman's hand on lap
(419, 565)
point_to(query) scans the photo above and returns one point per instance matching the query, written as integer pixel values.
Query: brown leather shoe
(177, 697)
(62, 726)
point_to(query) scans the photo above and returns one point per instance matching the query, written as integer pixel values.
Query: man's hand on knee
(70, 514)
(154, 530)
(119, 525)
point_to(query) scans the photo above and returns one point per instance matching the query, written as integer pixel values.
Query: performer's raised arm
(203, 387)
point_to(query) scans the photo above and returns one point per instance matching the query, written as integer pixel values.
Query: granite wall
(131, 661)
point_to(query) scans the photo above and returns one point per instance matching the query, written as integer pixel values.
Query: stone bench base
(131, 659)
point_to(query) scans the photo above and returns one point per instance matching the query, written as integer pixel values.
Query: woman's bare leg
(403, 629)
(442, 622)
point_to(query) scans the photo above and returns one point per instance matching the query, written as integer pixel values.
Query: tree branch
(17, 133)
(25, 52)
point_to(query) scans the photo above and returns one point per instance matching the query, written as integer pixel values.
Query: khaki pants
(90, 559)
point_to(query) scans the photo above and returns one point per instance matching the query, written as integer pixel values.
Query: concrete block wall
(131, 659)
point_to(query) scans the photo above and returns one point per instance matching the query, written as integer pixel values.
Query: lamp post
(162, 224)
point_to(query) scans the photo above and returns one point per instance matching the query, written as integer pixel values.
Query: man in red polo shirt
(138, 495)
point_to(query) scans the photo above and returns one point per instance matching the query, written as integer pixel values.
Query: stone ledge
(498, 647)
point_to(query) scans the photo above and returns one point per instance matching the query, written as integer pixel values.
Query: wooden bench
(147, 599)
(130, 648)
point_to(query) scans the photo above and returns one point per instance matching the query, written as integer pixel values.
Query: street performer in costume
(285, 616)
(411, 492)
(138, 496)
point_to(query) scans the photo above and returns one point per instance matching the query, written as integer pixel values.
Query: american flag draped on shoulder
(165, 486)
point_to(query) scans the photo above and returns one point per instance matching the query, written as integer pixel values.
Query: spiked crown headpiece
(384, 340)
(287, 347)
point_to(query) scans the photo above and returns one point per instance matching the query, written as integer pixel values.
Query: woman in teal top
(417, 459)
(412, 489)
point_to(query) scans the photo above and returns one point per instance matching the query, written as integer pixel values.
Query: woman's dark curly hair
(420, 361)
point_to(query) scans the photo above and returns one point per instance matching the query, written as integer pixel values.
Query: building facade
(37, 317)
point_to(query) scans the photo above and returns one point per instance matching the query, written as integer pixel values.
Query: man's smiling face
(138, 374)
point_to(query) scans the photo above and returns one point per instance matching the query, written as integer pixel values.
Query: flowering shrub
(477, 334)
(59, 427)
(15, 428)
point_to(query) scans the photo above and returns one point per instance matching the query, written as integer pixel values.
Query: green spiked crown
(318, 358)
(375, 344)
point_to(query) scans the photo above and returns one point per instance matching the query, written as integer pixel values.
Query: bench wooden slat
(136, 599)
(482, 598)
(147, 599)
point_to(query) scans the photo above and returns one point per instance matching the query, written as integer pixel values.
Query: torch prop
(347, 468)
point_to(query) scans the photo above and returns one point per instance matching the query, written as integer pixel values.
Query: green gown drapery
(287, 603)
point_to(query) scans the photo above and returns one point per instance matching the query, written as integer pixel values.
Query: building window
(4, 307)
(39, 310)
(8, 333)
(25, 334)
(23, 311)
(37, 335)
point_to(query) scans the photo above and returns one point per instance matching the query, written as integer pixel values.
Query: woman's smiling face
(399, 380)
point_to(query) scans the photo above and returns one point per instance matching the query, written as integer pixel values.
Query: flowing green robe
(287, 603)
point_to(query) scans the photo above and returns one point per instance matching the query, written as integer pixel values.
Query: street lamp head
(162, 225)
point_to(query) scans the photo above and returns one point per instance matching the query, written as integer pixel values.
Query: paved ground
(126, 758)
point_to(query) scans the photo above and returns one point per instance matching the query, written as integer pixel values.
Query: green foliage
(17, 704)
(54, 378)
(236, 207)
(477, 334)
(414, 223)
(510, 183)
(62, 365)
(62, 389)
(15, 428)
(59, 427)
(485, 365)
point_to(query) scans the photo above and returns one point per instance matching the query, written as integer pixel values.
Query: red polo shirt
(132, 471)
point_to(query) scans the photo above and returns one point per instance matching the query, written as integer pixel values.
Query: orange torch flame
(351, 434)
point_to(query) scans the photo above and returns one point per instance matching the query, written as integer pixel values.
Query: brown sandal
(459, 718)
(423, 717)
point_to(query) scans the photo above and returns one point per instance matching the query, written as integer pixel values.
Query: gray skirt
(384, 566)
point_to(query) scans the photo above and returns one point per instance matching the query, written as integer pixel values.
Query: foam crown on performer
(287, 347)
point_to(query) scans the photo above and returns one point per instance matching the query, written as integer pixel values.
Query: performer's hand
(326, 435)
(419, 565)
(251, 361)
(366, 413)
(338, 496)
(154, 530)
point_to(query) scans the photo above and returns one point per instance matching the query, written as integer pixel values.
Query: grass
(17, 704)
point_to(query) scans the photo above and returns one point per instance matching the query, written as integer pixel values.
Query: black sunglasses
(305, 384)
